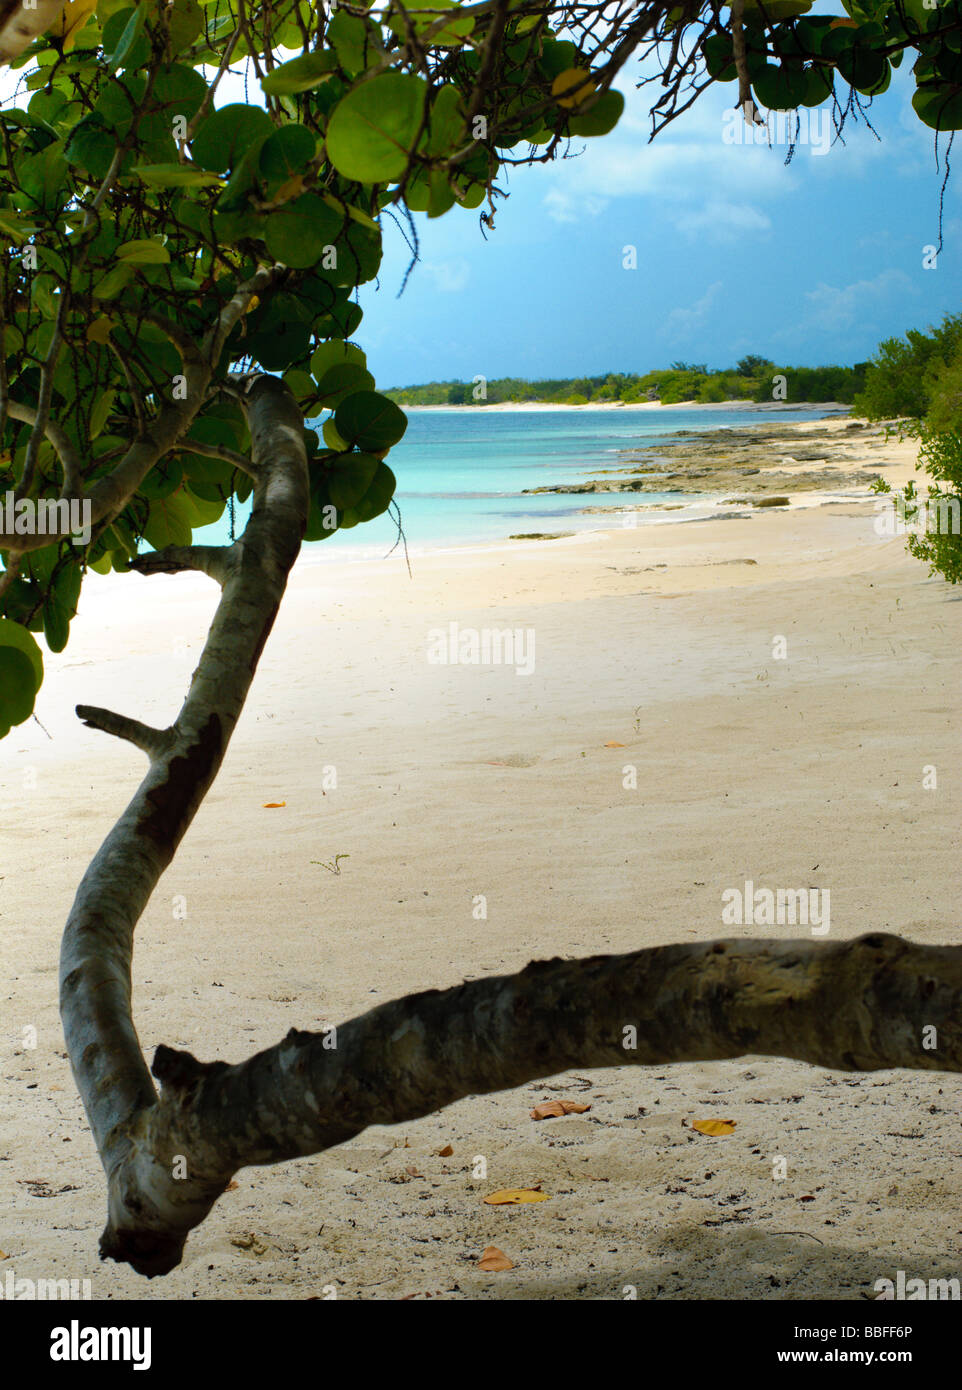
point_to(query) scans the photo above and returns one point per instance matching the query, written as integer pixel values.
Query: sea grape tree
(178, 297)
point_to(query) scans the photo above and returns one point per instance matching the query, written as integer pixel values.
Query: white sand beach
(655, 648)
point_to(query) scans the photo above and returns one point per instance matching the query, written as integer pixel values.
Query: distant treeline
(754, 378)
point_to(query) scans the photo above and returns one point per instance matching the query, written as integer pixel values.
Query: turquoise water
(461, 474)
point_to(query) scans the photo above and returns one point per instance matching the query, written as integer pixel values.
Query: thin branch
(205, 105)
(221, 451)
(69, 458)
(746, 102)
(212, 560)
(153, 742)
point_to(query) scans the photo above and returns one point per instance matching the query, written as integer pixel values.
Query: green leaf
(173, 176)
(370, 421)
(446, 131)
(378, 497)
(600, 117)
(341, 381)
(939, 106)
(224, 138)
(91, 147)
(185, 23)
(331, 437)
(114, 282)
(60, 606)
(373, 129)
(143, 252)
(286, 153)
(298, 233)
(300, 74)
(350, 478)
(719, 58)
(351, 38)
(168, 523)
(17, 691)
(780, 88)
(100, 413)
(13, 635)
(334, 354)
(120, 39)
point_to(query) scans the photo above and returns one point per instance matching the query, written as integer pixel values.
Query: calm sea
(461, 474)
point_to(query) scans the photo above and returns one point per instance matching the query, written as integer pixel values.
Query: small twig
(153, 742)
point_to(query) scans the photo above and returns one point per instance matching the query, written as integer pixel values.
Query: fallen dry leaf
(4, 1255)
(716, 1128)
(550, 1109)
(274, 805)
(612, 744)
(494, 1260)
(516, 1196)
(232, 1186)
(446, 1152)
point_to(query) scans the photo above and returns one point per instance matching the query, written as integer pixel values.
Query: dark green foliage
(680, 382)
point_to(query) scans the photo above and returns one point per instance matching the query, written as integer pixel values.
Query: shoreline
(534, 406)
(777, 463)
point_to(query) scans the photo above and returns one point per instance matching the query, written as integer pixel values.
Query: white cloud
(835, 308)
(450, 277)
(721, 221)
(564, 206)
(687, 323)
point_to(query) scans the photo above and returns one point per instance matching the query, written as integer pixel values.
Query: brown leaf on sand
(612, 744)
(446, 1152)
(716, 1128)
(493, 1260)
(515, 1196)
(274, 805)
(232, 1186)
(4, 1255)
(551, 1109)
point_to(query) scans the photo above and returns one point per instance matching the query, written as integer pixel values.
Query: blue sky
(807, 264)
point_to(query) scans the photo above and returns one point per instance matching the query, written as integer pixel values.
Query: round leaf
(373, 129)
(370, 421)
(225, 137)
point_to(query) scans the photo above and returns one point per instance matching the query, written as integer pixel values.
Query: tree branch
(153, 742)
(863, 1005)
(746, 102)
(58, 437)
(213, 560)
(220, 451)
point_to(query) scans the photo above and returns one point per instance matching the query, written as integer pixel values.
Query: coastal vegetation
(754, 378)
(917, 380)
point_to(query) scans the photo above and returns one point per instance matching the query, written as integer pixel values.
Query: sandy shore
(458, 780)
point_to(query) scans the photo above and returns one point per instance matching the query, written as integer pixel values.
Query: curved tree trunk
(95, 961)
(875, 1002)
